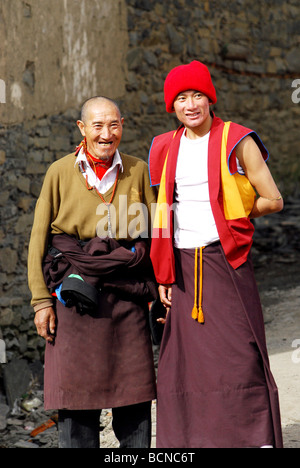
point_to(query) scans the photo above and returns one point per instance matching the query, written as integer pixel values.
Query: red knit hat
(194, 76)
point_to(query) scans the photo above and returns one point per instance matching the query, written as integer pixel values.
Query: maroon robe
(215, 387)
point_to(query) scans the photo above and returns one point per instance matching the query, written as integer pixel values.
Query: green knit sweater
(66, 206)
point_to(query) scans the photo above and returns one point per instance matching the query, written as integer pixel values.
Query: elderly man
(215, 387)
(91, 289)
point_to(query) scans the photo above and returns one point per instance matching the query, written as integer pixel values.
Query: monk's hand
(45, 322)
(165, 294)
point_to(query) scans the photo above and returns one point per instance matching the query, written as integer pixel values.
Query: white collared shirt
(109, 177)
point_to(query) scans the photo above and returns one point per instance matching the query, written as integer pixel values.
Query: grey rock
(4, 411)
(17, 378)
(23, 444)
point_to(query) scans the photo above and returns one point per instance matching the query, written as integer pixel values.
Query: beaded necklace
(106, 166)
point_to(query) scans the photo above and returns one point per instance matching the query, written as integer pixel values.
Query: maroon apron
(103, 359)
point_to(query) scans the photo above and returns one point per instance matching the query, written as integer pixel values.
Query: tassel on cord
(197, 312)
(195, 308)
(200, 311)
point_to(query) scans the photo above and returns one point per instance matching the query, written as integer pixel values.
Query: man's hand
(165, 294)
(45, 322)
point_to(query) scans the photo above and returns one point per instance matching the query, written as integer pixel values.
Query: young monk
(215, 387)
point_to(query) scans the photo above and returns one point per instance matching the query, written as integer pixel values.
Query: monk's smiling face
(193, 110)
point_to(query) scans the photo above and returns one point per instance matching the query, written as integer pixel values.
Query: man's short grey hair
(91, 100)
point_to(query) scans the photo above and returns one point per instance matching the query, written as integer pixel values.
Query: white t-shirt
(194, 224)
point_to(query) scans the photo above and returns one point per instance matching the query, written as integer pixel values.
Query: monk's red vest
(231, 195)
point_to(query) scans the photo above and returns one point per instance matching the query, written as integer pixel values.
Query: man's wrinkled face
(103, 128)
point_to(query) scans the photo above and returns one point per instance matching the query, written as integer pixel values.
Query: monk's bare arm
(259, 175)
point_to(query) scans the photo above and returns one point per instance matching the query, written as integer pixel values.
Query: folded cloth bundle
(76, 272)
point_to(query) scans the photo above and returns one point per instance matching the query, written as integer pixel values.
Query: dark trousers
(131, 425)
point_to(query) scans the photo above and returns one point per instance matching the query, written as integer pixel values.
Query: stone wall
(252, 49)
(57, 54)
(30, 147)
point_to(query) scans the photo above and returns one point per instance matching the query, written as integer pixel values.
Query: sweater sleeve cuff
(42, 305)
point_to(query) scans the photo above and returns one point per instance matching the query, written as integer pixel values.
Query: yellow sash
(238, 194)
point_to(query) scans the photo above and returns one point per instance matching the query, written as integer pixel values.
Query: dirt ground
(279, 285)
